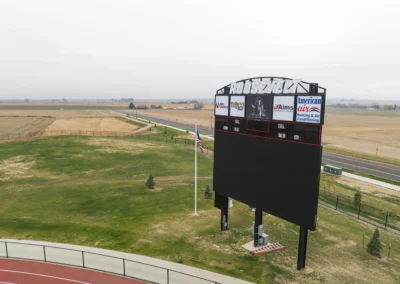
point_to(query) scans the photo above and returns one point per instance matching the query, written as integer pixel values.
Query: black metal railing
(105, 263)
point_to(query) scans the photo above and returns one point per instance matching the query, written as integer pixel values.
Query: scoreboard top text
(272, 99)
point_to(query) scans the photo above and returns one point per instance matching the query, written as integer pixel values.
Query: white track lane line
(43, 275)
(6, 283)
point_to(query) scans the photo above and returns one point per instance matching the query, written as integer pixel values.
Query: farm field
(12, 126)
(90, 191)
(356, 133)
(95, 124)
(55, 112)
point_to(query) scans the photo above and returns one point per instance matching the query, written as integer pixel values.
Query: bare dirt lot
(98, 124)
(357, 133)
(56, 113)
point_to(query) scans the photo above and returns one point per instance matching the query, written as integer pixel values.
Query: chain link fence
(376, 216)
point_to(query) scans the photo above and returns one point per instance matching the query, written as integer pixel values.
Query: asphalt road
(378, 169)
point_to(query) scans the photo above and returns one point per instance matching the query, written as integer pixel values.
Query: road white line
(362, 160)
(355, 166)
(43, 275)
(7, 283)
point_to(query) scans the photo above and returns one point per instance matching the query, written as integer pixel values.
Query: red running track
(28, 272)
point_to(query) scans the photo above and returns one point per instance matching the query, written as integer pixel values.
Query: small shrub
(150, 184)
(374, 246)
(208, 193)
(357, 199)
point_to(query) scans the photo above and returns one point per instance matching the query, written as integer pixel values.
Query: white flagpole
(195, 172)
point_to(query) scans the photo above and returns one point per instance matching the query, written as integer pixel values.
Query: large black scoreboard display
(268, 146)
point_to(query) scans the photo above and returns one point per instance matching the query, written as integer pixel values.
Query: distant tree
(374, 246)
(198, 106)
(208, 193)
(387, 107)
(131, 105)
(394, 107)
(150, 182)
(27, 100)
(375, 106)
(64, 100)
(357, 198)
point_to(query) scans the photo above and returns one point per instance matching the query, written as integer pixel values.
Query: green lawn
(90, 191)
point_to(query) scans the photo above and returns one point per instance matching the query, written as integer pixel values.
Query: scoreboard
(268, 146)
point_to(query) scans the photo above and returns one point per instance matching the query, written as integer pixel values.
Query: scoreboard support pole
(222, 203)
(224, 218)
(257, 222)
(301, 258)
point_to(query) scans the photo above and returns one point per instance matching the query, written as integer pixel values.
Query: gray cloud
(187, 49)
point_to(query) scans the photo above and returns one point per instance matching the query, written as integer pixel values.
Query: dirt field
(98, 124)
(362, 133)
(358, 133)
(11, 127)
(57, 113)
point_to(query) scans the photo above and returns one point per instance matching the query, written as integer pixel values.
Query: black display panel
(259, 106)
(278, 177)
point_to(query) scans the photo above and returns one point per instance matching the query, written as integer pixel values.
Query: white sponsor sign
(283, 108)
(221, 105)
(309, 109)
(264, 86)
(237, 106)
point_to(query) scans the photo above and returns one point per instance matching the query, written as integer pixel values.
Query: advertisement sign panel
(259, 106)
(237, 106)
(221, 105)
(309, 109)
(283, 108)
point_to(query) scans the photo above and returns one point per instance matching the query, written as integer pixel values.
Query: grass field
(90, 191)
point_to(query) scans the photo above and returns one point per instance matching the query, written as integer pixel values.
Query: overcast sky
(189, 49)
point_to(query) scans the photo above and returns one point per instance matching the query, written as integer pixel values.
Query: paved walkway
(369, 180)
(158, 274)
(372, 181)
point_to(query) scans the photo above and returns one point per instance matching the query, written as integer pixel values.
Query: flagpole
(195, 172)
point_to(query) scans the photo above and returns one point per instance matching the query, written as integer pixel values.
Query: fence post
(167, 276)
(387, 213)
(359, 210)
(337, 201)
(6, 250)
(44, 253)
(124, 267)
(83, 259)
(390, 245)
